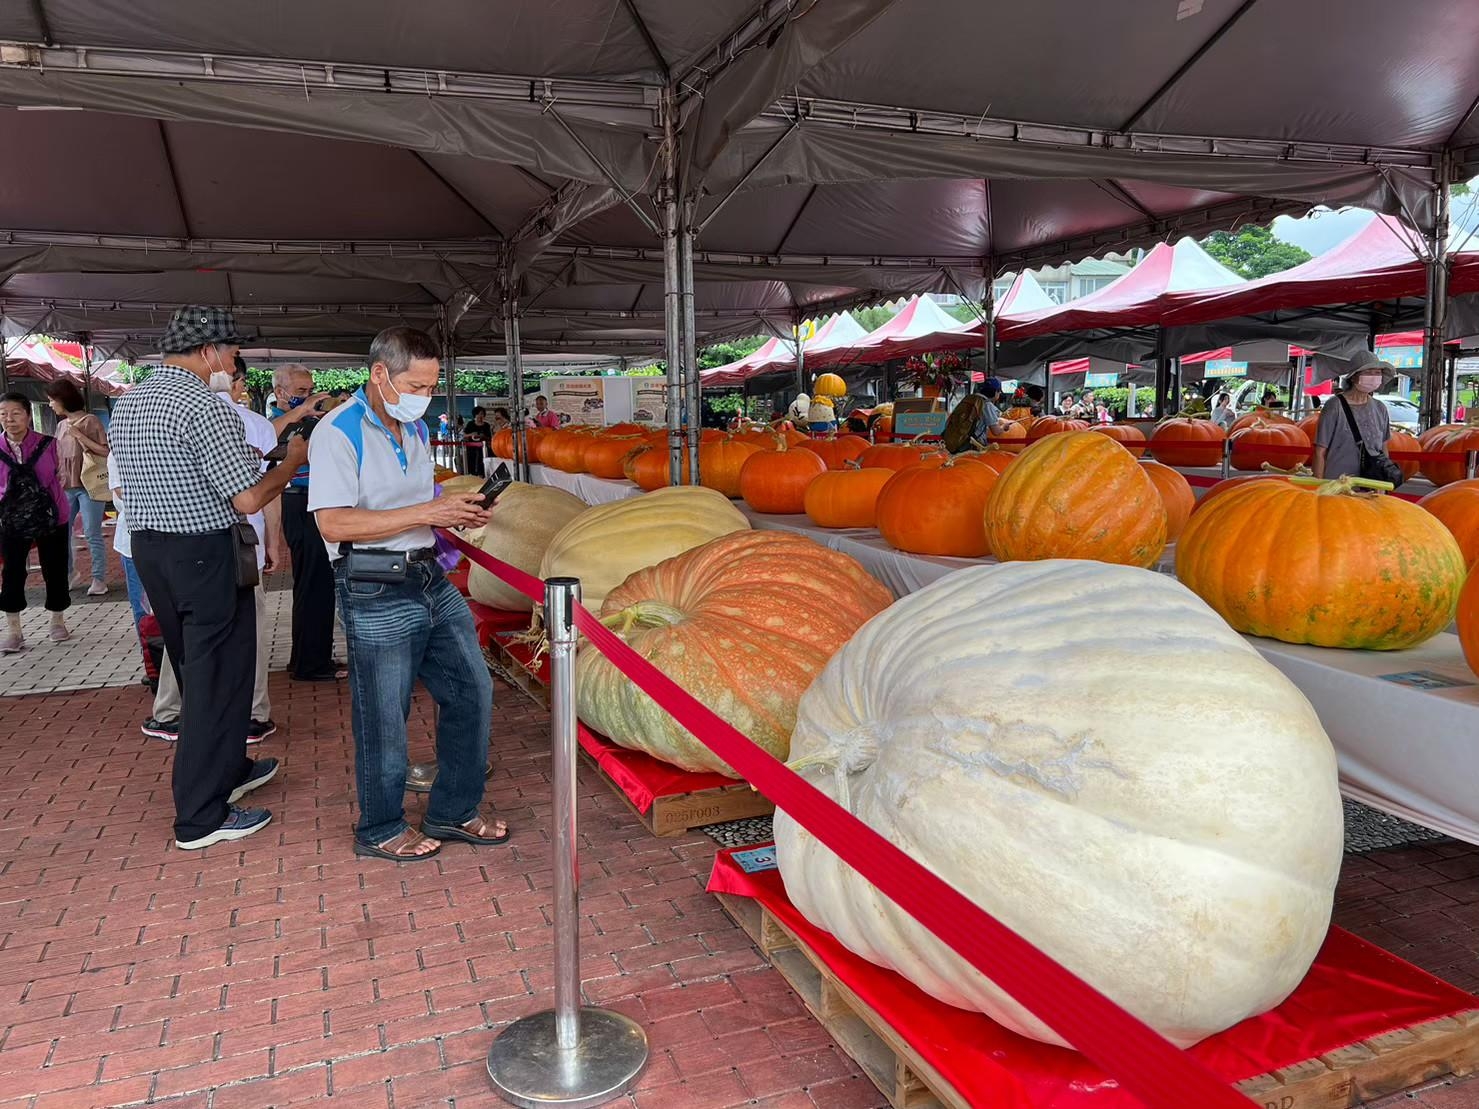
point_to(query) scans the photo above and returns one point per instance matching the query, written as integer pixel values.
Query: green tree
(871, 319)
(1252, 251)
(720, 354)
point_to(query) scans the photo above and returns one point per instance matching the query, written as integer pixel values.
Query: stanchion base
(528, 1068)
(422, 775)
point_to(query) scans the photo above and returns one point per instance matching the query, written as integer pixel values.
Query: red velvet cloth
(640, 776)
(1354, 991)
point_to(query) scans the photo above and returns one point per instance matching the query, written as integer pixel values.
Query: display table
(592, 490)
(1301, 1055)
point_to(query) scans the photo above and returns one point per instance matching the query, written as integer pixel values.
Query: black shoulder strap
(1351, 419)
(46, 441)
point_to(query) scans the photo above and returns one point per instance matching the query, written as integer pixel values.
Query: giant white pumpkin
(1178, 851)
(604, 545)
(519, 529)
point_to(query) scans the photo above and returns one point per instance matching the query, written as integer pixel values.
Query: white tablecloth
(1408, 747)
(592, 490)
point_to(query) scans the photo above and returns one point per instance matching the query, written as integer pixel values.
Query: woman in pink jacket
(33, 512)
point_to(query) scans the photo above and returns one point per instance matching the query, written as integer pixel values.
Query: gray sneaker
(239, 824)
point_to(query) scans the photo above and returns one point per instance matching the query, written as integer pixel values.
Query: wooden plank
(1340, 1079)
(512, 670)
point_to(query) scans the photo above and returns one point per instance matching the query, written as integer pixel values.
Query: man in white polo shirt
(372, 492)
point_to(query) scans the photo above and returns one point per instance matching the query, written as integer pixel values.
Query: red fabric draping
(1354, 991)
(640, 776)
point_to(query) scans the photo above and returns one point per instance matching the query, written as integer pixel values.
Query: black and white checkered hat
(195, 326)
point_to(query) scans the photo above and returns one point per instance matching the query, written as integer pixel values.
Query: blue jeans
(137, 599)
(420, 628)
(91, 512)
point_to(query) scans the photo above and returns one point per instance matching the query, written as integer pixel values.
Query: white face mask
(407, 407)
(220, 381)
(1368, 383)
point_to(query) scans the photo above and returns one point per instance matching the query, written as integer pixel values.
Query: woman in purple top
(33, 512)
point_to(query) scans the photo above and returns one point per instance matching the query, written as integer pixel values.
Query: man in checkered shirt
(188, 477)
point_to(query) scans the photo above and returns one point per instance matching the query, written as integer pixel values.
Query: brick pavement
(285, 971)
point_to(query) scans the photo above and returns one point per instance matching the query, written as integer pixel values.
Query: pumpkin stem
(1299, 469)
(644, 614)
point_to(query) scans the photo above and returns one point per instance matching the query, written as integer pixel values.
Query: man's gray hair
(398, 347)
(282, 377)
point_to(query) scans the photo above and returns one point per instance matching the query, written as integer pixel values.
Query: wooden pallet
(679, 813)
(1351, 1076)
(515, 670)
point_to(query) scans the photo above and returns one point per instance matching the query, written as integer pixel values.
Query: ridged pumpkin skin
(519, 530)
(829, 385)
(1126, 435)
(650, 467)
(1312, 564)
(1076, 495)
(503, 442)
(1176, 495)
(1263, 416)
(775, 481)
(1180, 442)
(1468, 621)
(1251, 443)
(1457, 505)
(897, 456)
(720, 462)
(1183, 861)
(938, 510)
(1052, 425)
(603, 455)
(1010, 437)
(1402, 443)
(744, 623)
(1227, 485)
(836, 452)
(1309, 425)
(1436, 432)
(604, 545)
(1443, 471)
(997, 460)
(846, 498)
(461, 483)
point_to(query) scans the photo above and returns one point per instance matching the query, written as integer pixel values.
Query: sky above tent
(1323, 228)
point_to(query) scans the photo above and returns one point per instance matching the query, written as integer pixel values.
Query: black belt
(296, 490)
(423, 554)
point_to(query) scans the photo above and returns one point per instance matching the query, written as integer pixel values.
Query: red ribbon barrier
(1145, 1064)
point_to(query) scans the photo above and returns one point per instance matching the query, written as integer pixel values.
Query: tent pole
(672, 293)
(1296, 386)
(450, 353)
(1435, 316)
(800, 353)
(690, 338)
(86, 372)
(1451, 368)
(988, 320)
(1162, 376)
(513, 366)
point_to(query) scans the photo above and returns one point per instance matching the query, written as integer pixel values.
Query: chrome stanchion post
(1227, 457)
(568, 1055)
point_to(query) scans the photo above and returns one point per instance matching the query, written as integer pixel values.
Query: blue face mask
(296, 402)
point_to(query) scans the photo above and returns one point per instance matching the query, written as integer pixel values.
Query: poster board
(577, 400)
(650, 400)
(919, 416)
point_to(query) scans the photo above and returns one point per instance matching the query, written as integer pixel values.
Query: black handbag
(1375, 465)
(244, 543)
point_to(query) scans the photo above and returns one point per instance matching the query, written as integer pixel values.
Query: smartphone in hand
(495, 485)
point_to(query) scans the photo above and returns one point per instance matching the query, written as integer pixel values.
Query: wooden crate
(679, 813)
(1351, 1076)
(514, 669)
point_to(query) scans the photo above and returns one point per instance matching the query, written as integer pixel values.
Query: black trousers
(51, 552)
(209, 626)
(313, 590)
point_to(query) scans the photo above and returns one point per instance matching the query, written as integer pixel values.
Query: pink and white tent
(1135, 299)
(920, 326)
(1024, 297)
(838, 334)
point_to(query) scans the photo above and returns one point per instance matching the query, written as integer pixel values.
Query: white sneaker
(97, 589)
(59, 633)
(11, 642)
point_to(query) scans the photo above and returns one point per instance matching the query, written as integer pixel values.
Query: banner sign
(1224, 367)
(650, 400)
(578, 400)
(1101, 381)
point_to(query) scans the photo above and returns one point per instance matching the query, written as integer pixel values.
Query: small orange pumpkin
(1279, 444)
(938, 510)
(897, 456)
(1126, 435)
(649, 467)
(1457, 505)
(1010, 437)
(1176, 494)
(1406, 445)
(1076, 495)
(846, 498)
(775, 481)
(602, 455)
(720, 462)
(1051, 425)
(1182, 442)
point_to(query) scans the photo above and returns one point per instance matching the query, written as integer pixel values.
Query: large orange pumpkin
(896, 456)
(1126, 435)
(1051, 425)
(1436, 432)
(836, 450)
(997, 460)
(1400, 443)
(846, 498)
(602, 455)
(743, 623)
(1076, 495)
(502, 444)
(1279, 444)
(1310, 424)
(1457, 505)
(1181, 442)
(650, 467)
(938, 510)
(1468, 621)
(1176, 494)
(720, 461)
(1010, 436)
(564, 450)
(1445, 471)
(1227, 485)
(775, 481)
(625, 429)
(1257, 416)
(1323, 564)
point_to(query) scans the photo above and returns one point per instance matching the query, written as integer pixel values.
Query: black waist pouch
(371, 564)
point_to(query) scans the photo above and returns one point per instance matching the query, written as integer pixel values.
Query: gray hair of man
(397, 347)
(282, 377)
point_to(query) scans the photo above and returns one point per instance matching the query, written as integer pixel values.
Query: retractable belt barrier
(1145, 1064)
